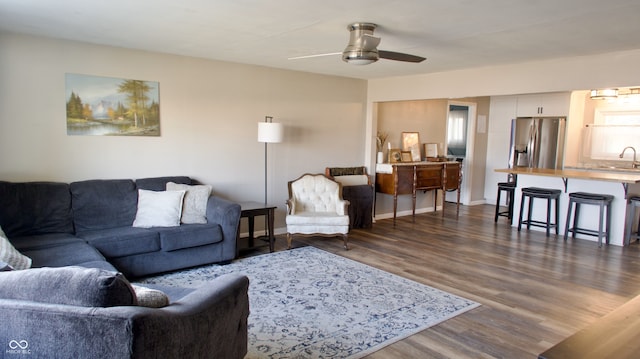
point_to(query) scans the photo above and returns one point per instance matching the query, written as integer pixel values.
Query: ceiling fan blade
(369, 42)
(316, 55)
(398, 56)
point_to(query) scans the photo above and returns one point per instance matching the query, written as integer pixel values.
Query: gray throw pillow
(79, 286)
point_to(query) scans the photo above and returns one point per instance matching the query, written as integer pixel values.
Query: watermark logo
(18, 347)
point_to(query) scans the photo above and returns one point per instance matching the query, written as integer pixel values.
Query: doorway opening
(461, 119)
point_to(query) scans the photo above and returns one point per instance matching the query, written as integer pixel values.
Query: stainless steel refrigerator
(537, 142)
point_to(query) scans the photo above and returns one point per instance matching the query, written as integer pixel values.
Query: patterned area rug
(308, 303)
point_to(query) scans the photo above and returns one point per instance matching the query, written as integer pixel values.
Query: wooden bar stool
(545, 193)
(510, 189)
(632, 204)
(601, 200)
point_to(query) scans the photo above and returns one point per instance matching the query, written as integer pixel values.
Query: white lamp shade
(270, 132)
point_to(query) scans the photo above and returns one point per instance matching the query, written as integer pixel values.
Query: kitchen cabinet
(545, 104)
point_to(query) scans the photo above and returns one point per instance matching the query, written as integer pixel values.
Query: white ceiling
(451, 34)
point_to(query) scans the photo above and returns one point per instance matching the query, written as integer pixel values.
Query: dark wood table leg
(250, 219)
(272, 237)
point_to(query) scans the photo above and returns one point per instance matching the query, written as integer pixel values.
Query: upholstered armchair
(315, 208)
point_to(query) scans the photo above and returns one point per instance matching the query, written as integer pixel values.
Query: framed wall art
(407, 157)
(411, 143)
(107, 106)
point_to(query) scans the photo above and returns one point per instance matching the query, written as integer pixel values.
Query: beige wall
(209, 115)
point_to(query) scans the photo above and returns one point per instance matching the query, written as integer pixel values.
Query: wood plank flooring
(535, 291)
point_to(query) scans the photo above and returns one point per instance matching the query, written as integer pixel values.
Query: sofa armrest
(210, 322)
(227, 215)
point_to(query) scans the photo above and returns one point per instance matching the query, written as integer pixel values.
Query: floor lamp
(269, 132)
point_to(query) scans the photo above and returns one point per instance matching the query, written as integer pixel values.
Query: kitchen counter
(580, 180)
(586, 174)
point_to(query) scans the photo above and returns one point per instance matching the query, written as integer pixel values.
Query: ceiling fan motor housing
(362, 47)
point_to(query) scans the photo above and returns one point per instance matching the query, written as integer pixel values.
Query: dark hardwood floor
(535, 291)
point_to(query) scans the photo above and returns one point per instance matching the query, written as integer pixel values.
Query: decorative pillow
(194, 208)
(79, 286)
(151, 298)
(11, 256)
(5, 267)
(352, 180)
(158, 209)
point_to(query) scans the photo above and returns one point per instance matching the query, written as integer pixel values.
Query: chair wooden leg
(345, 239)
(289, 240)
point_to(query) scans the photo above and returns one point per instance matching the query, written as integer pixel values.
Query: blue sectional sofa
(75, 301)
(89, 223)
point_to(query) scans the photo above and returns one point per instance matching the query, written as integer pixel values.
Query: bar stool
(544, 193)
(632, 204)
(510, 189)
(601, 200)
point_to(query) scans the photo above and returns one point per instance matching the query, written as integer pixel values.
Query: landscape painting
(106, 106)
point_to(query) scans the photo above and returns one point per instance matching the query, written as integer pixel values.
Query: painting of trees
(112, 106)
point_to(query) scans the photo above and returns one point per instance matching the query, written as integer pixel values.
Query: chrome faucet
(635, 163)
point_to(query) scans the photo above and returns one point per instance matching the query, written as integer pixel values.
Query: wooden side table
(250, 210)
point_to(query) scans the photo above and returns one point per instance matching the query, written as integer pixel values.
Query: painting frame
(111, 106)
(407, 156)
(395, 155)
(411, 142)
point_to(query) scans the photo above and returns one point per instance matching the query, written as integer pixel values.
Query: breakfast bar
(618, 183)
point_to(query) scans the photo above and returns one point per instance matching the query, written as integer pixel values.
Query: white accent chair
(315, 208)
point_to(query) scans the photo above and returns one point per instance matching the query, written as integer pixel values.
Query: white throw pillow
(11, 256)
(158, 209)
(194, 207)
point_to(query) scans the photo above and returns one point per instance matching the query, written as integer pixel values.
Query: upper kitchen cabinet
(545, 104)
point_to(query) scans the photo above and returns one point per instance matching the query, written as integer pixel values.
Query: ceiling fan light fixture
(359, 58)
(604, 94)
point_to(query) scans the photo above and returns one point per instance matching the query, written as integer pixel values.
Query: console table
(250, 210)
(409, 177)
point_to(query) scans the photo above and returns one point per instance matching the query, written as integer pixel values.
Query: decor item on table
(315, 208)
(99, 105)
(411, 142)
(407, 156)
(269, 132)
(381, 139)
(395, 155)
(308, 303)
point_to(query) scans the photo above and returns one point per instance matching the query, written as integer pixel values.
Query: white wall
(209, 115)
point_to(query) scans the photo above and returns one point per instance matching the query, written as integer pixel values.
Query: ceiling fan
(363, 48)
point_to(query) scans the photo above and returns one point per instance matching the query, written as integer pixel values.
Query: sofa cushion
(158, 208)
(31, 208)
(160, 183)
(43, 241)
(189, 235)
(11, 256)
(100, 204)
(194, 206)
(123, 241)
(63, 255)
(87, 287)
